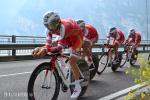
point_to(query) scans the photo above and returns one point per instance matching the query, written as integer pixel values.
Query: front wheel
(103, 62)
(44, 83)
(94, 67)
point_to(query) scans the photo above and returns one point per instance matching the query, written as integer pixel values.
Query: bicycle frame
(129, 53)
(54, 64)
(110, 53)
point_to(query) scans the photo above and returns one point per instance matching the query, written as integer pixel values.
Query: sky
(24, 17)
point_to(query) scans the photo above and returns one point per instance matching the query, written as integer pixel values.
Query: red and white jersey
(135, 39)
(70, 35)
(119, 36)
(91, 33)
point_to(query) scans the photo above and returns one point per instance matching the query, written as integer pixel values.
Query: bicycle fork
(44, 81)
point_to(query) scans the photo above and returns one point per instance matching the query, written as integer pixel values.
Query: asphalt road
(14, 78)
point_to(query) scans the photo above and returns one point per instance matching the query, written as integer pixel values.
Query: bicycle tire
(100, 72)
(134, 58)
(95, 61)
(114, 67)
(35, 73)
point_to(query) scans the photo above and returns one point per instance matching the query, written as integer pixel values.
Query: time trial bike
(47, 78)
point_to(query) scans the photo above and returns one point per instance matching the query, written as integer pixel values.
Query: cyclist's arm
(60, 41)
(48, 38)
(129, 40)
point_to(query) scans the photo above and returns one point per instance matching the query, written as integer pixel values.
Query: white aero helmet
(51, 20)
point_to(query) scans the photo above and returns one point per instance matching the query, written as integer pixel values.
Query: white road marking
(7, 75)
(116, 95)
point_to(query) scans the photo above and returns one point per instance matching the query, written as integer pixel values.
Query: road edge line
(6, 75)
(124, 92)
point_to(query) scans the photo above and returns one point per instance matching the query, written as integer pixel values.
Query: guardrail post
(144, 48)
(103, 50)
(9, 51)
(13, 41)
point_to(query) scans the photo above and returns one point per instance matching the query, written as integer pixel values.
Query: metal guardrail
(13, 50)
(14, 47)
(23, 45)
(6, 39)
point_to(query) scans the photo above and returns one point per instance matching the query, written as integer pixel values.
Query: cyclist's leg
(87, 52)
(134, 47)
(134, 50)
(74, 66)
(86, 47)
(76, 74)
(76, 44)
(116, 45)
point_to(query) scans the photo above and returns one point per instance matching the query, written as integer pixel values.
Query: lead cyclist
(70, 37)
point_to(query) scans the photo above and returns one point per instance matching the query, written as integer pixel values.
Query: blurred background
(24, 17)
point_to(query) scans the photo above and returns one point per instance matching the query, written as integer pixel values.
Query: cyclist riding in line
(90, 37)
(118, 39)
(70, 36)
(134, 39)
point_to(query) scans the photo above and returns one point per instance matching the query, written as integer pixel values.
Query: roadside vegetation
(142, 74)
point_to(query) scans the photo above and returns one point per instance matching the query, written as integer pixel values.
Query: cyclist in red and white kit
(90, 38)
(70, 36)
(134, 39)
(118, 39)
